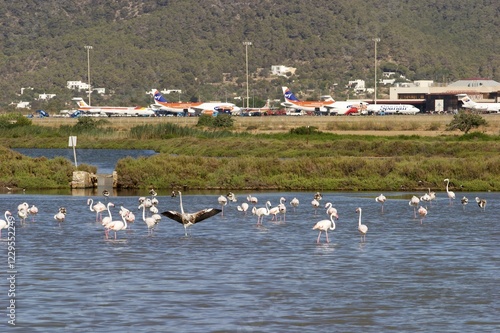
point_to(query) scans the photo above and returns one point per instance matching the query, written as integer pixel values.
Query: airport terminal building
(431, 97)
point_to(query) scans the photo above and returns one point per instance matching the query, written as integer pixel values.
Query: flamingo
(318, 196)
(414, 201)
(61, 215)
(243, 207)
(381, 199)
(24, 206)
(423, 213)
(153, 210)
(481, 203)
(363, 229)
(331, 210)
(432, 195)
(261, 212)
(188, 219)
(315, 204)
(282, 208)
(294, 203)
(279, 209)
(325, 225)
(107, 219)
(150, 221)
(464, 201)
(33, 210)
(129, 216)
(426, 197)
(4, 224)
(222, 202)
(231, 197)
(252, 200)
(98, 208)
(274, 211)
(23, 214)
(451, 194)
(116, 225)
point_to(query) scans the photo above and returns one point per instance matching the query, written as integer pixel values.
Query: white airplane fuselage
(392, 109)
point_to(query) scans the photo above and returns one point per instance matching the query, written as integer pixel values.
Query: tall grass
(301, 158)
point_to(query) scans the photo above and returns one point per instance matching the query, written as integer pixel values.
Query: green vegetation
(18, 171)
(465, 121)
(301, 159)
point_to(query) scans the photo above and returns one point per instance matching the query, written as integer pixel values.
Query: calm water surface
(104, 159)
(230, 275)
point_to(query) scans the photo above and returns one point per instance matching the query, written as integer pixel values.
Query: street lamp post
(246, 59)
(88, 48)
(376, 40)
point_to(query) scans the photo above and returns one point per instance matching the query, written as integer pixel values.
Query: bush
(465, 121)
(304, 130)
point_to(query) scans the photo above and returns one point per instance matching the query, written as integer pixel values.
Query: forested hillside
(188, 45)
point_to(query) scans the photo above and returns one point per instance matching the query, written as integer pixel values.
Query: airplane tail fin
(267, 105)
(81, 103)
(467, 102)
(159, 97)
(289, 96)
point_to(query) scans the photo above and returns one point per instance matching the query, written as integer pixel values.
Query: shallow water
(229, 275)
(104, 159)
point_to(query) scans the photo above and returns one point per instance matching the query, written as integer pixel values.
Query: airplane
(346, 108)
(392, 109)
(470, 104)
(112, 110)
(292, 102)
(161, 104)
(326, 104)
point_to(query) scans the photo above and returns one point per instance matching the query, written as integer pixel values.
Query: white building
(23, 105)
(357, 85)
(77, 85)
(45, 97)
(281, 70)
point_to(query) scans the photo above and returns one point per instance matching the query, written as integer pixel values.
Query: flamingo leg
(319, 235)
(327, 240)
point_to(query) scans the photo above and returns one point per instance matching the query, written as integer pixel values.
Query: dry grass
(423, 125)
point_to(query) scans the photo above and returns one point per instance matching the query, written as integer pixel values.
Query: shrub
(465, 121)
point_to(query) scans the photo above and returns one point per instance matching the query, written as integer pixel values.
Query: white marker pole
(72, 143)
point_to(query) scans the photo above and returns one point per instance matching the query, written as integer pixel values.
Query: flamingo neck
(359, 221)
(333, 222)
(143, 212)
(180, 200)
(109, 211)
(124, 222)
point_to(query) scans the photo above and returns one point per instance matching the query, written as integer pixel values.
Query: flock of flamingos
(151, 215)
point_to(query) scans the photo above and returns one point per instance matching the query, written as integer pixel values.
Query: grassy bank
(261, 153)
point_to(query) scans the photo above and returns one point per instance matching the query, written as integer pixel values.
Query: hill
(189, 45)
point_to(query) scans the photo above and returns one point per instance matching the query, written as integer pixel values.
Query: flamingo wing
(172, 214)
(205, 214)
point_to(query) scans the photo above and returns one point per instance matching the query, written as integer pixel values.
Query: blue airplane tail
(159, 97)
(76, 114)
(42, 113)
(289, 95)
